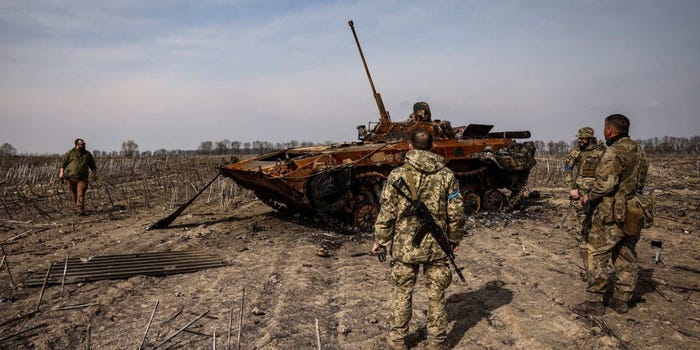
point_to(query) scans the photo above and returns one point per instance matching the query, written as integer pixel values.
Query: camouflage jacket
(621, 172)
(438, 189)
(77, 164)
(579, 167)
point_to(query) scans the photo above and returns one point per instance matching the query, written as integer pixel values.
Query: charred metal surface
(125, 266)
(343, 182)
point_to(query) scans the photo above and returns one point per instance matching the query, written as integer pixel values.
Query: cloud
(173, 74)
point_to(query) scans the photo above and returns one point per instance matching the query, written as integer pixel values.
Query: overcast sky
(170, 74)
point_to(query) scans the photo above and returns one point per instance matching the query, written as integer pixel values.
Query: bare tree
(236, 146)
(7, 150)
(223, 146)
(205, 147)
(130, 148)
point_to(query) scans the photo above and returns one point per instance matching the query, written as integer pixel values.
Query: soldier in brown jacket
(618, 178)
(436, 186)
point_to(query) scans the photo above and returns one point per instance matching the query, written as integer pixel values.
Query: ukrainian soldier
(579, 169)
(421, 113)
(618, 178)
(76, 166)
(435, 185)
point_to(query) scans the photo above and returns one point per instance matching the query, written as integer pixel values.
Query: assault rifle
(588, 209)
(427, 225)
(568, 212)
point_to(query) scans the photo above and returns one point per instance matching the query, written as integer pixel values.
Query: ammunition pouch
(634, 217)
(640, 213)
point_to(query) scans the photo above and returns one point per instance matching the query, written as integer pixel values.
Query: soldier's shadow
(466, 309)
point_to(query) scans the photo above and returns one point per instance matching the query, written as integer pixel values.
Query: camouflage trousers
(610, 250)
(582, 244)
(437, 277)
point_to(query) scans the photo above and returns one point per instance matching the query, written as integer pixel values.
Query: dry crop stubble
(522, 271)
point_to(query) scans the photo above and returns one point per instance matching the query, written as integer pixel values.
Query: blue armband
(452, 196)
(568, 168)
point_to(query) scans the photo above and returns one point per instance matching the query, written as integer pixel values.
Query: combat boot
(397, 346)
(620, 306)
(594, 308)
(440, 346)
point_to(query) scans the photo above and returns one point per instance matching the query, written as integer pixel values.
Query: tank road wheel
(494, 201)
(364, 217)
(472, 202)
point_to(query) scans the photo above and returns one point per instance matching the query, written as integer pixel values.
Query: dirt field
(523, 273)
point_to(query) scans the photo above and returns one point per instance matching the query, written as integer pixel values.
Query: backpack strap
(411, 185)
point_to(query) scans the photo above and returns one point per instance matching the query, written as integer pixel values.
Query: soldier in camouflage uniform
(421, 113)
(580, 167)
(619, 177)
(435, 185)
(579, 172)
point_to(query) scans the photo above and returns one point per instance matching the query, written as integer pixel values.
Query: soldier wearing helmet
(579, 169)
(421, 112)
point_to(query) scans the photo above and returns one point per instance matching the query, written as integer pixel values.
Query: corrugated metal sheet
(125, 266)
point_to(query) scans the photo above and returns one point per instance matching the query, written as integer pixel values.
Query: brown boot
(620, 306)
(397, 346)
(440, 346)
(594, 308)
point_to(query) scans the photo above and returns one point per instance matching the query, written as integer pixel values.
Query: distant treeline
(666, 144)
(655, 145)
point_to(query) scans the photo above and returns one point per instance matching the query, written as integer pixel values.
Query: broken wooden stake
(180, 330)
(41, 295)
(70, 307)
(228, 339)
(318, 335)
(240, 321)
(7, 266)
(22, 331)
(15, 237)
(656, 288)
(63, 279)
(143, 341)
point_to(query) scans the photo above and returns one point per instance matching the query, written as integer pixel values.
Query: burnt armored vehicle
(343, 182)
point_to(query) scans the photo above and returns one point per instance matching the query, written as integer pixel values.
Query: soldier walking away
(76, 166)
(579, 169)
(619, 177)
(435, 185)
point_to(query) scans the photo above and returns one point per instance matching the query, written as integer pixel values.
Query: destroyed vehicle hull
(343, 182)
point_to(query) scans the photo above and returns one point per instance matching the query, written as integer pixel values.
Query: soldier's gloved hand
(640, 189)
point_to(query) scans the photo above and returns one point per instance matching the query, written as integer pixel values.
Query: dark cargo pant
(438, 277)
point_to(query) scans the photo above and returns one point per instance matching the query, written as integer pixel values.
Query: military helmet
(422, 106)
(585, 133)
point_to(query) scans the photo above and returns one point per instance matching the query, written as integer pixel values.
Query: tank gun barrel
(510, 135)
(383, 114)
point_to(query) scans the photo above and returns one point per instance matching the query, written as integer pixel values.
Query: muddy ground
(522, 269)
